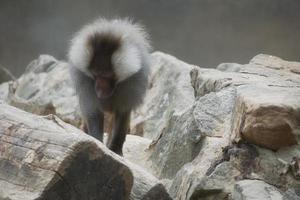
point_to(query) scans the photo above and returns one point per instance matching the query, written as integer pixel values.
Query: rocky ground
(227, 133)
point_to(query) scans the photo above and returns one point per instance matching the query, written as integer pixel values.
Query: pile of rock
(226, 133)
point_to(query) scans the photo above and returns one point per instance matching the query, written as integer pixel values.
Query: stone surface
(191, 180)
(136, 150)
(44, 158)
(170, 93)
(270, 118)
(4, 91)
(181, 139)
(251, 103)
(267, 107)
(46, 88)
(146, 186)
(258, 190)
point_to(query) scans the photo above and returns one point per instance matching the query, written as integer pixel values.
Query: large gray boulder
(46, 158)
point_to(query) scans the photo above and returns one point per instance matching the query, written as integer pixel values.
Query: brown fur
(103, 47)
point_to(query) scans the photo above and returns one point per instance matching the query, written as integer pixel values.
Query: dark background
(202, 32)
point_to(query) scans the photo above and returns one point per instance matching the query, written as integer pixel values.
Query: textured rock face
(257, 190)
(49, 159)
(269, 109)
(169, 93)
(45, 88)
(208, 133)
(209, 146)
(45, 158)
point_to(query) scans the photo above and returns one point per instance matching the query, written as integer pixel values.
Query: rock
(136, 151)
(270, 118)
(5, 75)
(254, 189)
(146, 186)
(266, 107)
(229, 67)
(181, 139)
(4, 91)
(205, 130)
(53, 160)
(49, 159)
(45, 63)
(157, 193)
(276, 63)
(46, 88)
(241, 104)
(269, 168)
(170, 93)
(195, 180)
(295, 166)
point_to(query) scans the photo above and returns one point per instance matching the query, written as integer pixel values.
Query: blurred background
(201, 32)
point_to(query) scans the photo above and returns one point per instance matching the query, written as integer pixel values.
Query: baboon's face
(105, 84)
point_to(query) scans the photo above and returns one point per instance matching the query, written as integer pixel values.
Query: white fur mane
(126, 61)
